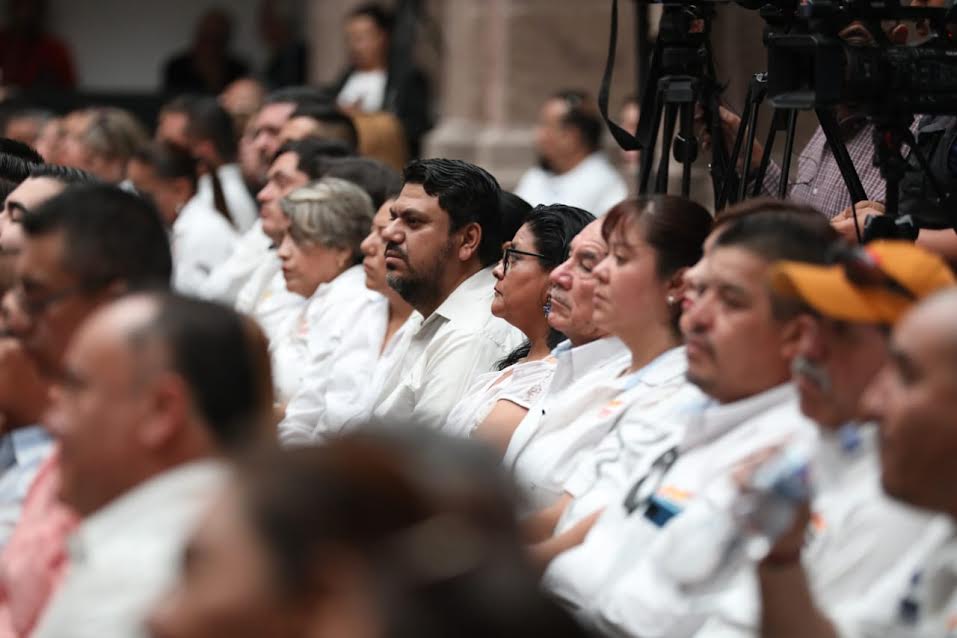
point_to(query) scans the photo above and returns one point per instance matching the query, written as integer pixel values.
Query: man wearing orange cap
(850, 535)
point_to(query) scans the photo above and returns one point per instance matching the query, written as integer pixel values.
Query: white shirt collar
(163, 491)
(472, 298)
(717, 419)
(30, 444)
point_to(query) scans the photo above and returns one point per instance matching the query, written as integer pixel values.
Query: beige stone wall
(499, 59)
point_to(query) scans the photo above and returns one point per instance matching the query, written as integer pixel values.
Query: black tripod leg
(788, 152)
(687, 137)
(749, 152)
(661, 179)
(648, 152)
(728, 186)
(766, 158)
(844, 162)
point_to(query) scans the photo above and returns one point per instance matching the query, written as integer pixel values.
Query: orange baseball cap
(876, 283)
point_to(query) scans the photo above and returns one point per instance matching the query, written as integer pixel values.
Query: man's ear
(799, 334)
(471, 239)
(168, 408)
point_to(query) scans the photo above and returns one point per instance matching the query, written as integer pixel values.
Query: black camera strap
(625, 140)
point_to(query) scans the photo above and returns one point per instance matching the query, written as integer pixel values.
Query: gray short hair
(330, 212)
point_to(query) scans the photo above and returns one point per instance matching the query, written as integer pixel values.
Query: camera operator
(818, 182)
(937, 141)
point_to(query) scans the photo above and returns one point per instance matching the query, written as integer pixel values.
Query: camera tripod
(783, 119)
(680, 77)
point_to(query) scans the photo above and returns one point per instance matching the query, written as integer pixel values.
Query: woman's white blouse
(521, 384)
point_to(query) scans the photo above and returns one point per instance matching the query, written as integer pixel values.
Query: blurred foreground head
(372, 535)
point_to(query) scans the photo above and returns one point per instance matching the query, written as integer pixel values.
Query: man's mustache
(802, 366)
(392, 250)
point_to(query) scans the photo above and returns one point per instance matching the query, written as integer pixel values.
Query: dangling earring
(548, 306)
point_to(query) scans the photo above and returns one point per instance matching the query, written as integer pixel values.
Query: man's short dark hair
(582, 116)
(109, 235)
(311, 152)
(336, 124)
(782, 235)
(209, 121)
(20, 150)
(16, 160)
(383, 18)
(468, 193)
(379, 180)
(64, 174)
(223, 359)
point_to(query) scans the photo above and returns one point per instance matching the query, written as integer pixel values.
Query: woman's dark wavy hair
(553, 227)
(673, 226)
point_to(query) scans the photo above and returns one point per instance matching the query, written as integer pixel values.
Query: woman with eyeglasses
(320, 253)
(499, 400)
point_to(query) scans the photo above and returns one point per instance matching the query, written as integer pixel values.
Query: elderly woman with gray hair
(320, 254)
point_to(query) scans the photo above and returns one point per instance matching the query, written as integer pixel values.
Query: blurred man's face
(266, 128)
(172, 127)
(834, 364)
(52, 299)
(284, 177)
(95, 410)
(914, 400)
(735, 347)
(553, 138)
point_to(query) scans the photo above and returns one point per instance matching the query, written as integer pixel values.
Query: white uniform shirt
(339, 388)
(318, 328)
(856, 535)
(201, 240)
(266, 299)
(622, 578)
(459, 341)
(225, 282)
(644, 420)
(22, 451)
(126, 555)
(521, 384)
(594, 185)
(545, 446)
(365, 89)
(242, 206)
(916, 599)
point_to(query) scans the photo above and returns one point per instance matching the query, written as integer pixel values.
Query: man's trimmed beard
(420, 289)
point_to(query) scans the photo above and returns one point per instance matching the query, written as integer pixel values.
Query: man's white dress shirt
(225, 282)
(856, 536)
(22, 451)
(593, 185)
(455, 344)
(916, 599)
(242, 206)
(126, 555)
(623, 577)
(201, 240)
